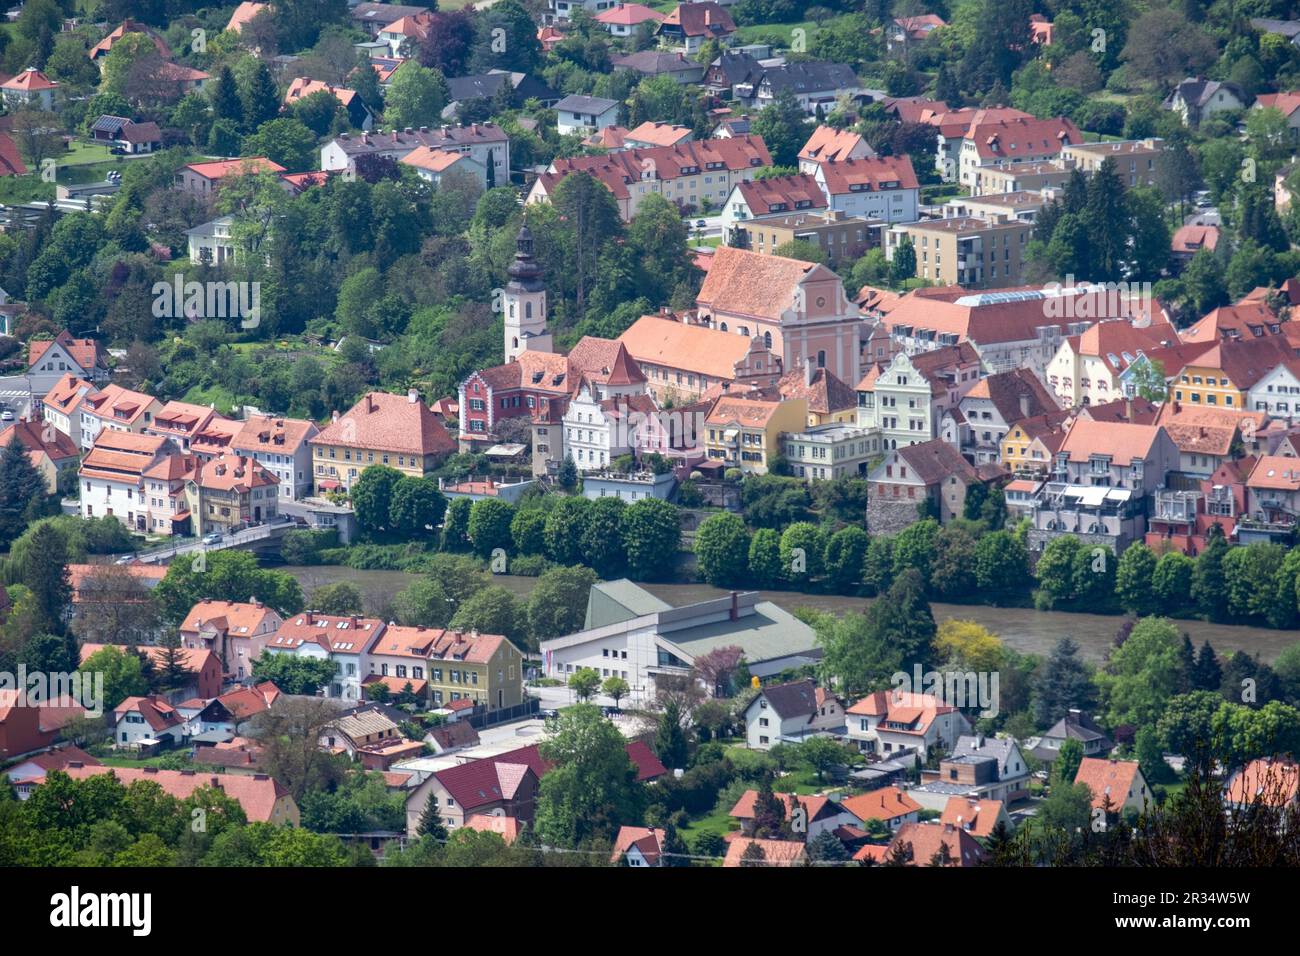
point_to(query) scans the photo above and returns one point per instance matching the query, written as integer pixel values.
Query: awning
(328, 483)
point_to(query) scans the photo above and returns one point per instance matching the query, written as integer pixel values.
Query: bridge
(261, 537)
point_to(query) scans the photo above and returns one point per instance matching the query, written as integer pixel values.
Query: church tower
(523, 302)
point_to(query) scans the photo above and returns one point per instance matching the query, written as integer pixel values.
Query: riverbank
(1024, 629)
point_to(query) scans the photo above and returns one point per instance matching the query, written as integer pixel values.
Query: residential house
(951, 127)
(774, 852)
(38, 765)
(1022, 205)
(432, 165)
(281, 446)
(146, 720)
(496, 84)
(203, 666)
(815, 814)
(180, 422)
(48, 360)
(61, 406)
(834, 450)
(692, 24)
(484, 668)
(236, 632)
(369, 737)
(263, 800)
(229, 493)
(1224, 375)
(936, 844)
(891, 806)
(25, 729)
(990, 408)
(611, 414)
(839, 237)
(1272, 500)
(203, 180)
(485, 143)
(894, 723)
(1190, 239)
(395, 430)
(1195, 99)
(1075, 725)
(373, 17)
(213, 242)
(770, 198)
(931, 475)
(1030, 445)
(978, 817)
(884, 188)
(1207, 437)
(904, 31)
(979, 768)
(30, 89)
(744, 432)
(115, 409)
(343, 639)
(964, 251)
(504, 785)
(127, 26)
(404, 35)
(1243, 321)
(638, 846)
(1086, 369)
(359, 114)
(731, 69)
(244, 14)
(1019, 140)
(907, 397)
(1020, 178)
(1264, 782)
(651, 134)
(1116, 785)
(814, 85)
(683, 362)
(444, 739)
(828, 144)
(660, 63)
(1138, 162)
(49, 451)
(585, 114)
(829, 400)
(112, 476)
(131, 137)
(621, 19)
(788, 713)
(633, 635)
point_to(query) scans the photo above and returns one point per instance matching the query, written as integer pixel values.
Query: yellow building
(1030, 444)
(744, 432)
(399, 431)
(451, 666)
(1223, 375)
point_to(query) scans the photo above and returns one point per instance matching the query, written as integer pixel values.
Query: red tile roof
(880, 173)
(1109, 780)
(775, 852)
(782, 194)
(228, 167)
(884, 804)
(256, 793)
(1016, 138)
(385, 422)
(925, 840)
(87, 353)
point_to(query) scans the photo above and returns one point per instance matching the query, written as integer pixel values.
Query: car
(548, 713)
(126, 559)
(6, 416)
(212, 537)
(700, 224)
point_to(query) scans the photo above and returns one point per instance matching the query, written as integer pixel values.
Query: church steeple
(524, 301)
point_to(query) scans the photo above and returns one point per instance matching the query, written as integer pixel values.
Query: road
(15, 391)
(191, 545)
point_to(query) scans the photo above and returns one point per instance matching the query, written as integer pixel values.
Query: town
(695, 434)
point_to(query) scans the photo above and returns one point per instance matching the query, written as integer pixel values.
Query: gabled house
(395, 430)
(932, 475)
(432, 165)
(203, 667)
(236, 632)
(485, 143)
(486, 669)
(1116, 785)
(115, 409)
(979, 768)
(1207, 437)
(1264, 782)
(638, 846)
(282, 446)
(1000, 142)
(937, 844)
(370, 737)
(1075, 725)
(25, 729)
(889, 805)
(48, 360)
(359, 114)
(769, 198)
(1030, 445)
(30, 89)
(816, 814)
(112, 476)
(1087, 368)
(1195, 99)
(830, 145)
(344, 640)
(812, 84)
(892, 723)
(203, 180)
(1272, 500)
(691, 24)
(746, 432)
(61, 406)
(623, 19)
(907, 396)
(585, 114)
(146, 719)
(781, 853)
(788, 713)
(50, 452)
(979, 818)
(685, 362)
(883, 188)
(990, 408)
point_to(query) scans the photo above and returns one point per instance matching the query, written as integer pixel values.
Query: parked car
(6, 416)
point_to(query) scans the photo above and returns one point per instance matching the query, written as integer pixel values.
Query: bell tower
(523, 301)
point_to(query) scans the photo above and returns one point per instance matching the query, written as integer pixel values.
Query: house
(896, 723)
(282, 446)
(638, 846)
(1206, 437)
(48, 360)
(683, 362)
(38, 765)
(1138, 162)
(611, 414)
(746, 432)
(180, 422)
(936, 844)
(432, 165)
(693, 23)
(147, 720)
(799, 309)
(1087, 368)
(369, 737)
(774, 852)
(907, 397)
(115, 409)
(833, 450)
(502, 785)
(1272, 499)
(359, 114)
(128, 26)
(1075, 725)
(932, 475)
(585, 114)
(660, 63)
(263, 800)
(839, 237)
(731, 69)
(651, 134)
(202, 180)
(1264, 782)
(884, 188)
(133, 138)
(814, 814)
(624, 19)
(693, 175)
(813, 84)
(1116, 785)
(979, 818)
(789, 713)
(30, 89)
(828, 144)
(769, 198)
(405, 34)
(241, 705)
(485, 143)
(1190, 239)
(829, 400)
(951, 127)
(990, 408)
(244, 14)
(447, 738)
(182, 79)
(889, 805)
(1196, 99)
(203, 666)
(229, 493)
(964, 251)
(343, 639)
(633, 635)
(485, 87)
(1023, 205)
(904, 31)
(234, 632)
(1225, 374)
(112, 476)
(979, 768)
(50, 452)
(395, 430)
(1019, 140)
(484, 668)
(1030, 446)
(1242, 321)
(25, 729)
(11, 164)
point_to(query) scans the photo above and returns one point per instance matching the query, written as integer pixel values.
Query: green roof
(612, 602)
(767, 634)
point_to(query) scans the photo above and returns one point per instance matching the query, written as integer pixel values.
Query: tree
(765, 558)
(289, 733)
(1134, 577)
(114, 606)
(226, 104)
(44, 572)
(602, 546)
(1064, 683)
(431, 825)
(528, 531)
(903, 264)
(1142, 674)
(173, 672)
(1186, 727)
(1068, 760)
(416, 507)
(259, 98)
(827, 848)
(565, 528)
(489, 526)
(592, 787)
(284, 140)
(1068, 808)
(966, 645)
(493, 610)
(294, 674)
(1001, 565)
(21, 490)
(455, 529)
(802, 549)
(651, 533)
(591, 219)
(670, 737)
(716, 668)
(1209, 584)
(822, 755)
(416, 97)
(616, 688)
(123, 674)
(372, 497)
(845, 552)
(754, 855)
(783, 126)
(219, 575)
(584, 682)
(721, 549)
(342, 598)
(557, 605)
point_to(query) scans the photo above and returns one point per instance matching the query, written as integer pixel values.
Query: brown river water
(1024, 629)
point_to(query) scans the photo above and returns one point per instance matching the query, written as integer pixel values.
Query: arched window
(767, 340)
(821, 359)
(512, 310)
(744, 330)
(528, 310)
(724, 326)
(514, 343)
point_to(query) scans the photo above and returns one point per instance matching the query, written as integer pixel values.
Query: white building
(280, 445)
(344, 640)
(884, 188)
(585, 114)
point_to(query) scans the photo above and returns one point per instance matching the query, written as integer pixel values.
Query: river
(1026, 630)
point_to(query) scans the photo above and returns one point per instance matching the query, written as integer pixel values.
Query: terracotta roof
(256, 793)
(884, 804)
(775, 852)
(826, 393)
(1006, 390)
(1109, 780)
(433, 160)
(1204, 430)
(229, 167)
(1134, 411)
(122, 456)
(269, 433)
(1266, 782)
(117, 404)
(86, 578)
(1250, 318)
(746, 283)
(33, 437)
(67, 393)
(828, 143)
(234, 473)
(436, 643)
(743, 411)
(156, 712)
(1245, 362)
(645, 839)
(781, 194)
(873, 175)
(693, 348)
(618, 170)
(303, 87)
(179, 73)
(508, 828)
(11, 159)
(1124, 443)
(247, 702)
(656, 134)
(1287, 103)
(928, 839)
(701, 18)
(53, 713)
(87, 353)
(814, 805)
(1013, 138)
(935, 460)
(30, 80)
(628, 15)
(916, 710)
(243, 14)
(57, 759)
(385, 422)
(1188, 239)
(237, 618)
(192, 660)
(1275, 473)
(336, 633)
(129, 26)
(953, 124)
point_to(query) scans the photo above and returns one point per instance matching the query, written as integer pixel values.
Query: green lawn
(82, 153)
(777, 34)
(16, 190)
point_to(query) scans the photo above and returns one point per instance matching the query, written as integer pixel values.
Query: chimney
(370, 403)
(1128, 409)
(735, 605)
(807, 372)
(1024, 405)
(412, 396)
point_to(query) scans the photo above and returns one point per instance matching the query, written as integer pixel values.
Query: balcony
(1177, 506)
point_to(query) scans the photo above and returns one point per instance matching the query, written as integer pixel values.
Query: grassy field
(778, 34)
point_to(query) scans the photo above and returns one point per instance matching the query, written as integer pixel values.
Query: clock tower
(523, 302)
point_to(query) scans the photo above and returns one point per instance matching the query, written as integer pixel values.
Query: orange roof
(704, 18)
(302, 87)
(122, 456)
(67, 393)
(1188, 239)
(118, 404)
(782, 194)
(645, 839)
(926, 840)
(228, 167)
(692, 348)
(385, 422)
(11, 159)
(1124, 442)
(1275, 473)
(244, 13)
(747, 412)
(256, 793)
(747, 283)
(628, 15)
(435, 643)
(1250, 318)
(508, 828)
(190, 658)
(80, 574)
(814, 805)
(234, 473)
(916, 710)
(884, 804)
(129, 26)
(432, 159)
(236, 618)
(30, 80)
(775, 852)
(1287, 103)
(1205, 430)
(1109, 780)
(85, 352)
(1015, 138)
(335, 633)
(978, 817)
(37, 437)
(1268, 782)
(829, 143)
(657, 134)
(271, 433)
(875, 174)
